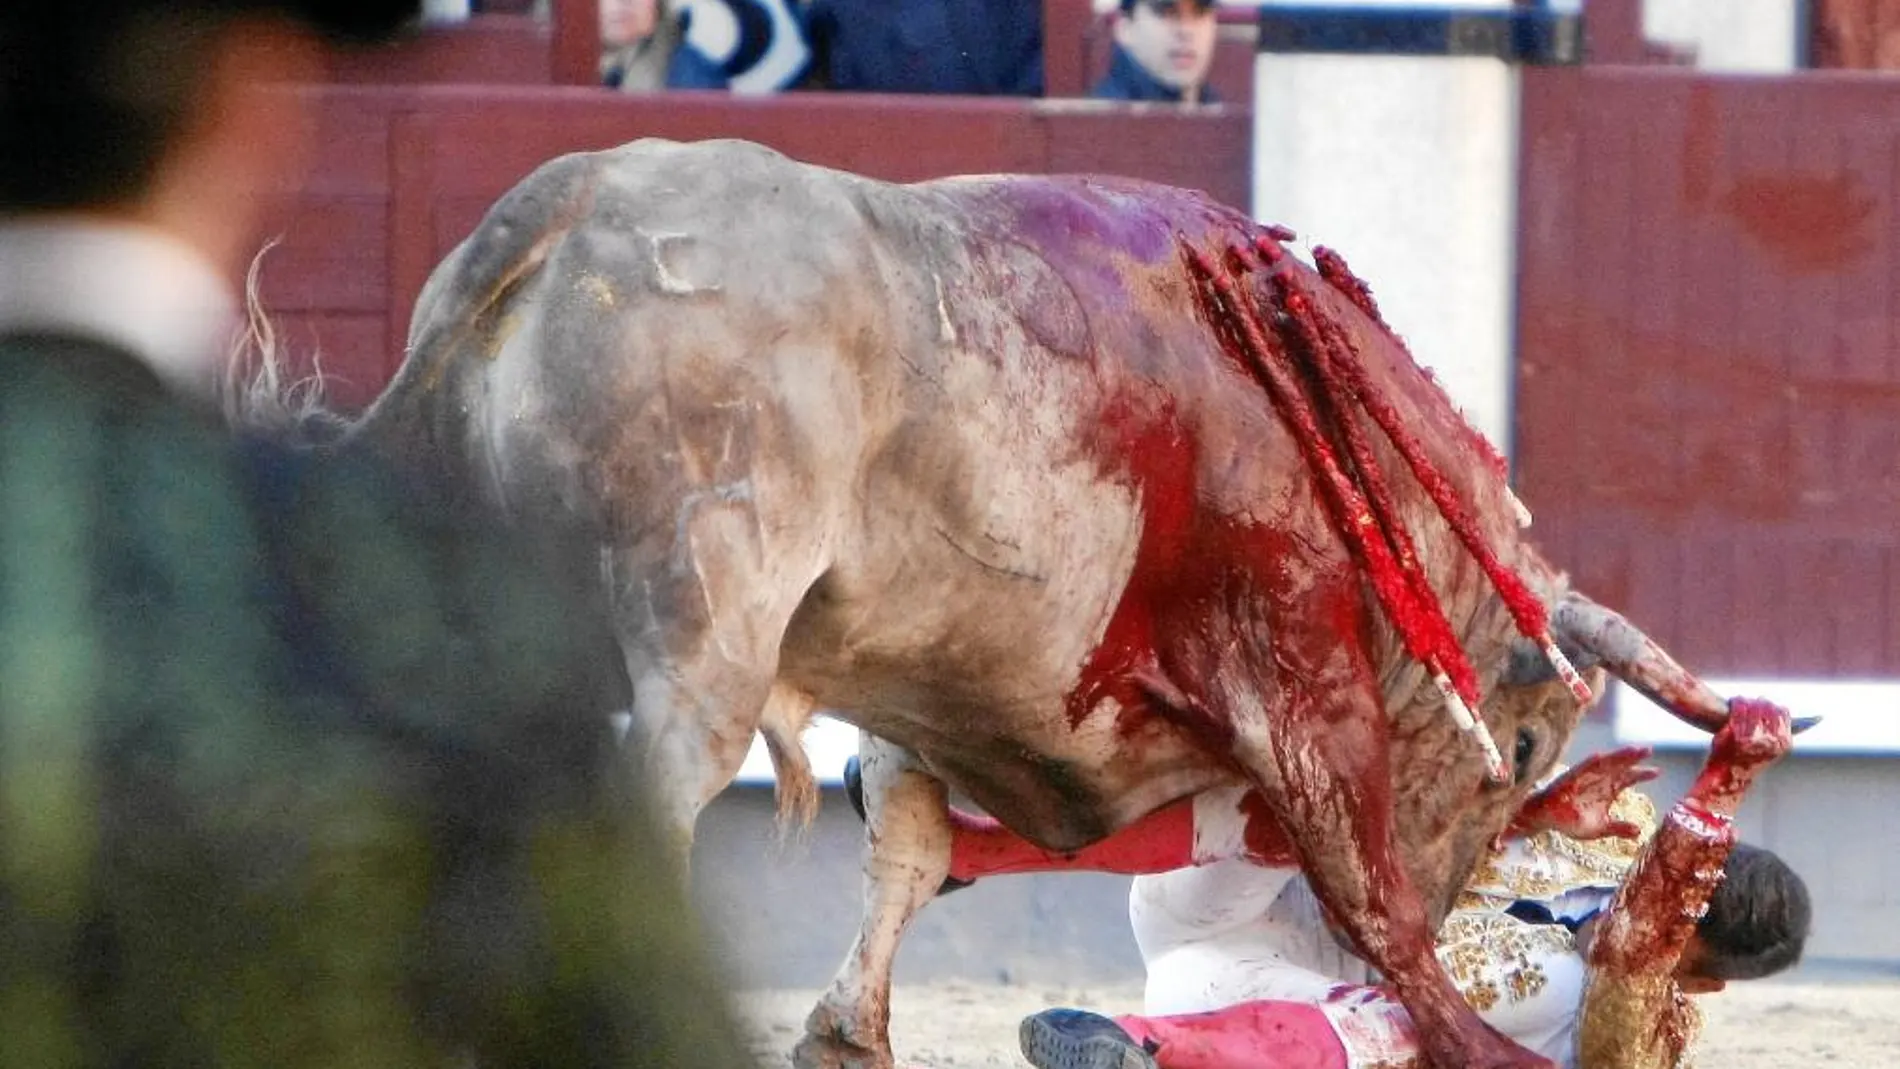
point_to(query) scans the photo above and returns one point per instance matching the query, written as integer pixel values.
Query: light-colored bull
(974, 462)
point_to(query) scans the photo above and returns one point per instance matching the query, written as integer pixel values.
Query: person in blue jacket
(1163, 49)
(968, 47)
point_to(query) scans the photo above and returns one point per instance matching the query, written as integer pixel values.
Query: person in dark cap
(305, 761)
(1163, 49)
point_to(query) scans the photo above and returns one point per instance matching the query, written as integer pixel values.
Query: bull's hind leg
(702, 611)
(694, 722)
(1321, 763)
(906, 855)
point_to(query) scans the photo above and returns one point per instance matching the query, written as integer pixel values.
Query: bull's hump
(1140, 220)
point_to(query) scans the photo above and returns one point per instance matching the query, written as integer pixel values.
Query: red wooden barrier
(1708, 392)
(490, 50)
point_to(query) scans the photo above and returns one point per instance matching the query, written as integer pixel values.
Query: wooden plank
(1862, 490)
(1805, 618)
(575, 57)
(1209, 149)
(351, 157)
(1656, 374)
(490, 50)
(1590, 358)
(1549, 158)
(332, 257)
(1889, 660)
(413, 143)
(1759, 624)
(1236, 53)
(1613, 31)
(1729, 301)
(1852, 590)
(1705, 565)
(1864, 303)
(1065, 38)
(1600, 561)
(346, 348)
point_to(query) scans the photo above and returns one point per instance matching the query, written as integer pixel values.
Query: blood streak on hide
(1362, 516)
(1194, 570)
(1192, 563)
(1159, 459)
(1526, 611)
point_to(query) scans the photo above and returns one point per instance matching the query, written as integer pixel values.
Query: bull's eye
(1526, 749)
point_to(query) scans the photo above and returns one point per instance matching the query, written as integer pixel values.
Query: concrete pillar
(1389, 133)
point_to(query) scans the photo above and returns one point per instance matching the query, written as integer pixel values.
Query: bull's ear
(1528, 667)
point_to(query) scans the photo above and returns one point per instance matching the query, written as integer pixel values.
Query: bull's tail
(257, 392)
(787, 713)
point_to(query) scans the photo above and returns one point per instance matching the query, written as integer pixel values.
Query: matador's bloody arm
(1631, 1003)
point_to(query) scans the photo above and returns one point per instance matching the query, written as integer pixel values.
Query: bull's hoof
(1077, 1039)
(832, 1052)
(833, 1041)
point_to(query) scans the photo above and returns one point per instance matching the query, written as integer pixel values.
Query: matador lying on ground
(1583, 944)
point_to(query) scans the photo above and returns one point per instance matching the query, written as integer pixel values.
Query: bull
(1080, 496)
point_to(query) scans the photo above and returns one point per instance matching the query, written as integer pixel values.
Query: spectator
(978, 47)
(1163, 49)
(301, 768)
(637, 45)
(747, 46)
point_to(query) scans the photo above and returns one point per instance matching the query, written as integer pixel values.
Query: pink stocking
(1285, 1035)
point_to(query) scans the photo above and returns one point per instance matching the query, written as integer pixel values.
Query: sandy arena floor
(1763, 1025)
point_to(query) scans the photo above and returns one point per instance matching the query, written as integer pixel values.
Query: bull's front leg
(906, 856)
(1319, 752)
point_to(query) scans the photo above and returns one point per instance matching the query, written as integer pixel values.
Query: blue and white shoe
(1078, 1039)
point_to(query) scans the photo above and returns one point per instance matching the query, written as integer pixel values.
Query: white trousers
(1232, 932)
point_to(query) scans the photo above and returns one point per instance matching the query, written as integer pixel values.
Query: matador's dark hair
(1758, 919)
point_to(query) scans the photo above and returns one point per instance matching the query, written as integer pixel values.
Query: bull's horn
(1530, 665)
(1638, 661)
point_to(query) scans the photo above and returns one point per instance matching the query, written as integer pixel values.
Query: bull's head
(1449, 810)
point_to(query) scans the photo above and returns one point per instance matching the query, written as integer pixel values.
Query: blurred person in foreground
(1163, 51)
(303, 760)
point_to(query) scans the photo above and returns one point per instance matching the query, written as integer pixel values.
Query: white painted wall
(1407, 167)
(437, 11)
(1731, 36)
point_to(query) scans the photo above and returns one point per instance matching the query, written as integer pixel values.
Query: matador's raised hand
(1577, 803)
(1757, 734)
